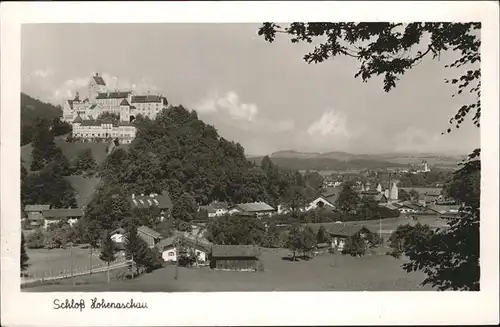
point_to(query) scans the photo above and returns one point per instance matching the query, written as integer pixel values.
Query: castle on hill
(84, 114)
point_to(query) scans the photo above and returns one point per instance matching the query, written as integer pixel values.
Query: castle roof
(124, 103)
(99, 122)
(98, 79)
(112, 95)
(146, 98)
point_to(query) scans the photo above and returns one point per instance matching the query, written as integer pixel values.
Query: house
(326, 199)
(258, 208)
(283, 209)
(319, 202)
(118, 235)
(172, 247)
(215, 209)
(162, 202)
(34, 214)
(374, 194)
(149, 235)
(426, 194)
(445, 209)
(407, 207)
(341, 233)
(235, 257)
(168, 248)
(52, 216)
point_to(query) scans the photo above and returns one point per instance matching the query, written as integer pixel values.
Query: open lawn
(326, 272)
(70, 150)
(56, 260)
(391, 224)
(84, 188)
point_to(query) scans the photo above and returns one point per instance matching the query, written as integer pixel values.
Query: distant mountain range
(338, 160)
(345, 156)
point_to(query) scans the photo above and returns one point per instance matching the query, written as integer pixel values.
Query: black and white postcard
(193, 163)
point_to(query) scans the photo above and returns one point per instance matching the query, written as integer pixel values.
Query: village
(192, 249)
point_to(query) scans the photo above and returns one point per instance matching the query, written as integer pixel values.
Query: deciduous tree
(348, 200)
(107, 251)
(24, 255)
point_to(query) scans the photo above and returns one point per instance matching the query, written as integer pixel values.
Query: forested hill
(31, 110)
(180, 153)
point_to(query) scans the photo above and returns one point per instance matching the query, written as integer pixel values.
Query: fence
(76, 271)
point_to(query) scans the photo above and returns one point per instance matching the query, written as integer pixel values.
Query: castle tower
(124, 110)
(96, 85)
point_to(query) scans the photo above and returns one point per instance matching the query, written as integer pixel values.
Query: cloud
(414, 139)
(58, 93)
(38, 76)
(43, 73)
(331, 123)
(230, 104)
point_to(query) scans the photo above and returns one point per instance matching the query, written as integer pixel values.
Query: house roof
(445, 208)
(231, 251)
(93, 106)
(331, 194)
(36, 207)
(34, 215)
(166, 242)
(146, 98)
(118, 231)
(161, 201)
(62, 213)
(254, 207)
(208, 209)
(124, 103)
(324, 199)
(429, 191)
(219, 205)
(149, 231)
(78, 119)
(112, 95)
(185, 240)
(213, 207)
(98, 79)
(340, 229)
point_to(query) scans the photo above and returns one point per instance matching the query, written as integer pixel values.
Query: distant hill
(31, 109)
(335, 159)
(294, 154)
(319, 163)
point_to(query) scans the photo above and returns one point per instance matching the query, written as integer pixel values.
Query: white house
(319, 202)
(118, 235)
(169, 248)
(215, 209)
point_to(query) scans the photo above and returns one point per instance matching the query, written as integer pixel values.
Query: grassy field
(391, 224)
(56, 260)
(70, 150)
(84, 188)
(326, 272)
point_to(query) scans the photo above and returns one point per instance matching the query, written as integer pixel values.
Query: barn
(235, 257)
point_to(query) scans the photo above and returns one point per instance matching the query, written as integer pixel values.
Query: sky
(262, 95)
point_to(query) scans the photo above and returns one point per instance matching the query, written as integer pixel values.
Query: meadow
(325, 272)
